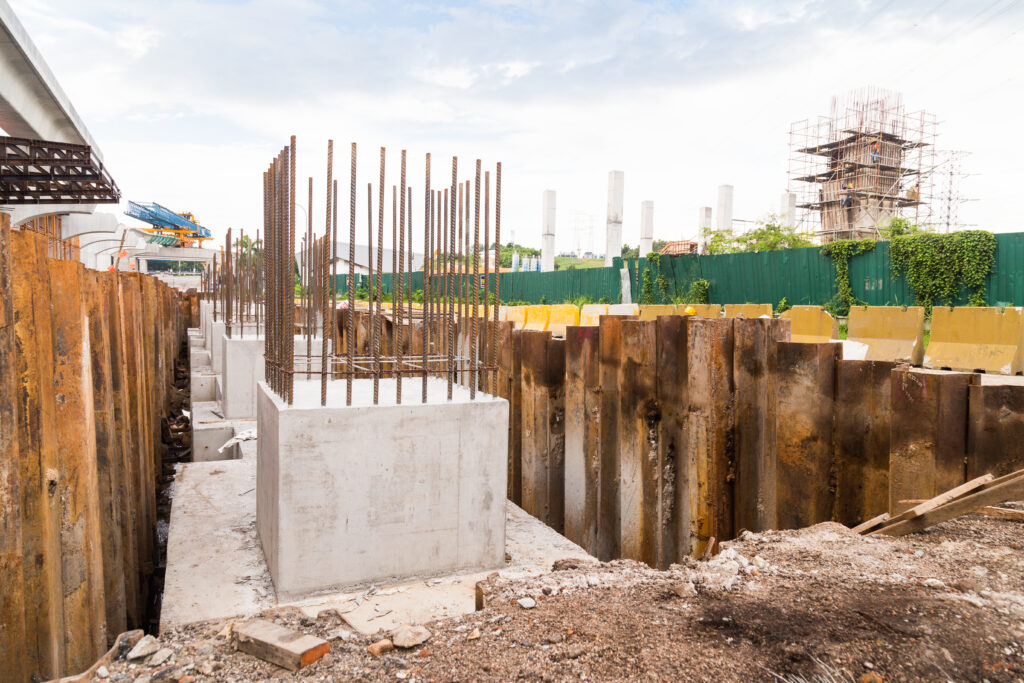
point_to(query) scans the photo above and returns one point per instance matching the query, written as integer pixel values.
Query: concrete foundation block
(203, 386)
(195, 339)
(216, 347)
(199, 357)
(360, 494)
(210, 431)
(244, 368)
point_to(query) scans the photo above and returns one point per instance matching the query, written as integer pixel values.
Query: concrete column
(547, 236)
(613, 227)
(724, 207)
(703, 218)
(646, 227)
(787, 209)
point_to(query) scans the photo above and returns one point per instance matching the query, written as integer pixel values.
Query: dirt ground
(817, 604)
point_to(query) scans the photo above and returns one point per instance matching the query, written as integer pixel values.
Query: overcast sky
(189, 100)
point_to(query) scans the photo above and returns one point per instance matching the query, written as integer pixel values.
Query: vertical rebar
(497, 272)
(450, 280)
(369, 275)
(485, 333)
(378, 330)
(290, 318)
(350, 313)
(473, 350)
(325, 270)
(399, 291)
(426, 275)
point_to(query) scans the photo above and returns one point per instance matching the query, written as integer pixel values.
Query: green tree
(511, 248)
(630, 252)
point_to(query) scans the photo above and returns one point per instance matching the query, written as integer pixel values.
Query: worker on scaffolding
(875, 151)
(847, 196)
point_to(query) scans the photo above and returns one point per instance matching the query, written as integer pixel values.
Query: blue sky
(189, 100)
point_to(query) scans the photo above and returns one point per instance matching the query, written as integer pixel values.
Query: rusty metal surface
(582, 431)
(806, 391)
(995, 429)
(672, 505)
(755, 371)
(863, 425)
(929, 433)
(710, 422)
(13, 665)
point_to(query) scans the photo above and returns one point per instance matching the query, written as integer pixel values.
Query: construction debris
(961, 500)
(285, 647)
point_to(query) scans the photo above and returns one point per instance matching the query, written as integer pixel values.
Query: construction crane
(168, 228)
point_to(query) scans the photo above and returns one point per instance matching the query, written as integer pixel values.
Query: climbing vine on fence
(841, 251)
(937, 265)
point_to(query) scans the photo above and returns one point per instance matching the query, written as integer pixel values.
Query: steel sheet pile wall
(652, 439)
(86, 367)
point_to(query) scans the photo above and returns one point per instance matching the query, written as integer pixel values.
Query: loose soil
(814, 604)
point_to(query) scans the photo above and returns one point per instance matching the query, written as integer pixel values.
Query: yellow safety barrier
(561, 316)
(748, 310)
(652, 311)
(624, 309)
(703, 310)
(590, 314)
(811, 324)
(515, 315)
(977, 338)
(537, 318)
(891, 333)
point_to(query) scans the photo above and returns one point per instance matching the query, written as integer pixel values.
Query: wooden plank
(582, 429)
(755, 369)
(928, 442)
(990, 511)
(279, 645)
(108, 463)
(864, 527)
(863, 426)
(804, 438)
(12, 595)
(81, 549)
(39, 469)
(711, 421)
(672, 540)
(995, 429)
(639, 431)
(1007, 487)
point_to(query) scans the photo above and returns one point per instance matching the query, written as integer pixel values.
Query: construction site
(352, 444)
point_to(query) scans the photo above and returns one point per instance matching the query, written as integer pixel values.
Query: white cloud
(189, 100)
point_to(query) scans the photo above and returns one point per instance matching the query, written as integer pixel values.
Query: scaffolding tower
(866, 163)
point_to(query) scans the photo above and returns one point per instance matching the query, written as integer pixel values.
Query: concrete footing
(351, 495)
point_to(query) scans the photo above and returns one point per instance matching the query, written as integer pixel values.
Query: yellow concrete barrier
(652, 311)
(590, 314)
(748, 310)
(515, 315)
(977, 338)
(537, 318)
(811, 324)
(561, 316)
(624, 309)
(891, 333)
(703, 310)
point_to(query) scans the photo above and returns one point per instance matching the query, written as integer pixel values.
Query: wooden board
(279, 645)
(1008, 487)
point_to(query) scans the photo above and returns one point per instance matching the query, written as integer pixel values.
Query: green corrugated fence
(802, 276)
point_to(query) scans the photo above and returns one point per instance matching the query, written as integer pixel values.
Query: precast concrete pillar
(646, 227)
(547, 246)
(613, 227)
